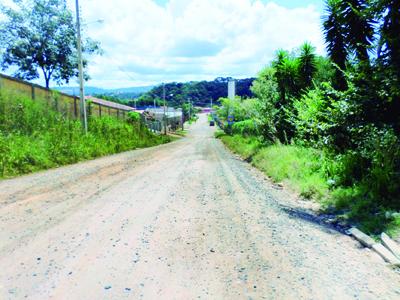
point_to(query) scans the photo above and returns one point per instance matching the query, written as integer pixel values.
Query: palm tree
(359, 27)
(307, 65)
(278, 64)
(287, 75)
(389, 43)
(335, 38)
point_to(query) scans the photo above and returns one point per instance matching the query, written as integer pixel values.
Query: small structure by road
(154, 117)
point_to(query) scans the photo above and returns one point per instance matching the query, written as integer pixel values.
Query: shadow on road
(326, 221)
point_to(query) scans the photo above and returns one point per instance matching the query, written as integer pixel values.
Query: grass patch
(246, 147)
(181, 132)
(301, 167)
(355, 204)
(35, 137)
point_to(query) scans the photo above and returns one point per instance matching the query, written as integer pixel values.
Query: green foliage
(265, 88)
(325, 71)
(134, 117)
(41, 35)
(246, 128)
(246, 147)
(287, 75)
(389, 44)
(373, 165)
(358, 25)
(241, 109)
(307, 65)
(34, 137)
(318, 116)
(335, 37)
(303, 168)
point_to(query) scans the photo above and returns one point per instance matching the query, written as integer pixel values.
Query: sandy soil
(187, 220)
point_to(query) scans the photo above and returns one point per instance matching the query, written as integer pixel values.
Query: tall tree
(278, 64)
(40, 36)
(388, 63)
(307, 65)
(359, 27)
(287, 75)
(389, 50)
(335, 38)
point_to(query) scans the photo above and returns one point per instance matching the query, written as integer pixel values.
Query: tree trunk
(46, 77)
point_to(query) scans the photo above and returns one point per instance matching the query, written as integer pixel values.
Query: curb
(390, 244)
(362, 237)
(386, 253)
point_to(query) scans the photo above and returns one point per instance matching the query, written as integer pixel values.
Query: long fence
(66, 104)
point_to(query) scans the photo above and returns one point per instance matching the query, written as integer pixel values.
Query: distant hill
(123, 93)
(201, 93)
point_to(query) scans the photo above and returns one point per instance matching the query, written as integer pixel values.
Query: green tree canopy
(40, 36)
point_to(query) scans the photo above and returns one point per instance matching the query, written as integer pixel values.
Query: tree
(389, 44)
(307, 65)
(40, 35)
(326, 71)
(335, 37)
(265, 88)
(278, 65)
(359, 27)
(389, 56)
(287, 76)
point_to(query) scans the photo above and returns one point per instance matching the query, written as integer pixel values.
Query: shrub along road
(184, 220)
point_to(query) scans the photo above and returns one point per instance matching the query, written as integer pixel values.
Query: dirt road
(185, 220)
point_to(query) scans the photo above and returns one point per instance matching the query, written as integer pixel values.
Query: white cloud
(146, 43)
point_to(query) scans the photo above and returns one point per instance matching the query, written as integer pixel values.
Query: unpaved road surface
(187, 220)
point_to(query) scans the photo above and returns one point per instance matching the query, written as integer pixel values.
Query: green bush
(374, 166)
(134, 117)
(246, 128)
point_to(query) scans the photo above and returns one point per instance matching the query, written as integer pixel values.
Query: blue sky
(147, 42)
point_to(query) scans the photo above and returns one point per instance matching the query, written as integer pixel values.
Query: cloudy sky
(146, 42)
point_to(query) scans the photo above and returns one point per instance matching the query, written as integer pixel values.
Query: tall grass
(301, 167)
(34, 137)
(246, 147)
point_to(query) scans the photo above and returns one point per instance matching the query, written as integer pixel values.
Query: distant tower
(231, 89)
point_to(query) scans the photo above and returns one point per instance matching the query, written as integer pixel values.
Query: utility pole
(190, 113)
(183, 118)
(80, 67)
(165, 115)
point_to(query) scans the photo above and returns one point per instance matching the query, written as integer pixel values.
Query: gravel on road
(186, 220)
